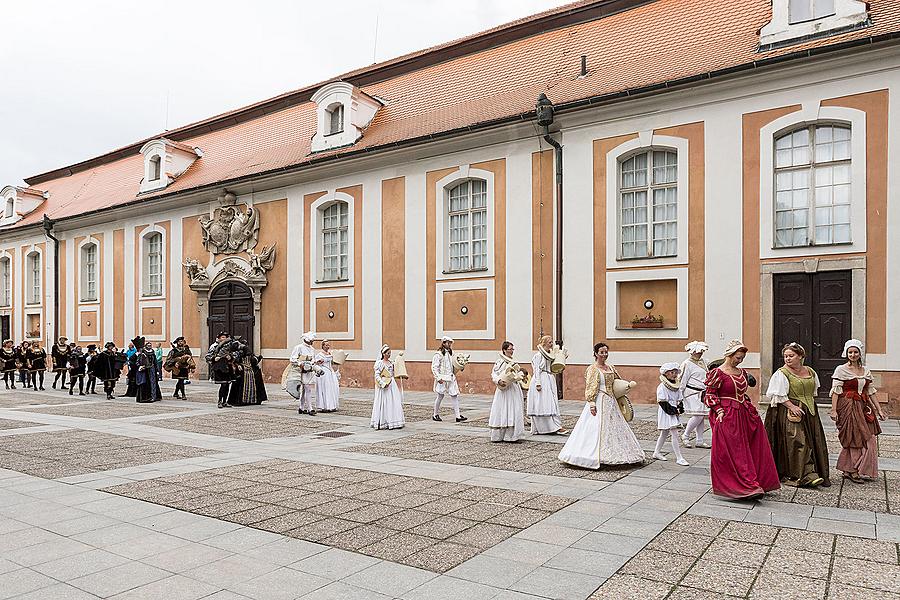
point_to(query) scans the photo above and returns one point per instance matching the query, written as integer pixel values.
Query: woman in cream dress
(327, 389)
(601, 436)
(507, 421)
(543, 404)
(387, 409)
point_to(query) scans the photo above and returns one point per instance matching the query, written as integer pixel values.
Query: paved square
(13, 424)
(66, 453)
(241, 423)
(105, 410)
(422, 523)
(525, 456)
(881, 495)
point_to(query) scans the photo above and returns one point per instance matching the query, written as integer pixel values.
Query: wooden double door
(231, 310)
(814, 310)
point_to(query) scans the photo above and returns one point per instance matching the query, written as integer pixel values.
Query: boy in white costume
(302, 357)
(506, 421)
(445, 379)
(669, 399)
(693, 383)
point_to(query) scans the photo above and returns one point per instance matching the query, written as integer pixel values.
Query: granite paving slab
(104, 410)
(13, 424)
(880, 495)
(447, 527)
(246, 425)
(523, 456)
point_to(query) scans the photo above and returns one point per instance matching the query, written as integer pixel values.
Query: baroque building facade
(724, 176)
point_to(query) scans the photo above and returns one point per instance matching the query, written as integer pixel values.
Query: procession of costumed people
(749, 455)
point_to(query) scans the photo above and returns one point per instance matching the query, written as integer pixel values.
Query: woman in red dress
(741, 463)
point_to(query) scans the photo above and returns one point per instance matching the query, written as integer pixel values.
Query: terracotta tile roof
(654, 43)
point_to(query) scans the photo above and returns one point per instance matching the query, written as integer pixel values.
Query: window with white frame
(812, 186)
(89, 272)
(335, 242)
(467, 226)
(155, 167)
(335, 116)
(809, 10)
(5, 282)
(34, 278)
(648, 204)
(10, 208)
(153, 264)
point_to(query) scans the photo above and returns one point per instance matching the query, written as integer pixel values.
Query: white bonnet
(309, 336)
(696, 346)
(446, 338)
(669, 366)
(852, 344)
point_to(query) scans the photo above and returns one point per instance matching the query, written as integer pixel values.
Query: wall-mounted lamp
(464, 310)
(152, 321)
(88, 323)
(330, 314)
(648, 304)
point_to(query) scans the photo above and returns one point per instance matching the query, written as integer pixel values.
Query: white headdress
(446, 338)
(384, 349)
(696, 346)
(669, 366)
(852, 344)
(309, 336)
(734, 346)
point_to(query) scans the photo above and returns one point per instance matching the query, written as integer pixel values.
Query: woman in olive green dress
(793, 425)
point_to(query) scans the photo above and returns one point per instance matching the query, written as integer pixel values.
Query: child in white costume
(669, 398)
(506, 421)
(445, 379)
(328, 389)
(301, 383)
(693, 382)
(387, 408)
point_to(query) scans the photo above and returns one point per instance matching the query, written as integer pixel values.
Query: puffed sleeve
(436, 366)
(778, 388)
(379, 380)
(871, 391)
(591, 376)
(661, 394)
(497, 371)
(712, 383)
(837, 387)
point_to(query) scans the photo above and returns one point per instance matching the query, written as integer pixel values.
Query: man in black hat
(107, 366)
(59, 353)
(146, 378)
(222, 367)
(91, 387)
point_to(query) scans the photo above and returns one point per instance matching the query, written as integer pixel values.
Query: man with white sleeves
(693, 383)
(445, 379)
(302, 357)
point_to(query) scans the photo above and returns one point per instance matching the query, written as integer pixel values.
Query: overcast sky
(82, 78)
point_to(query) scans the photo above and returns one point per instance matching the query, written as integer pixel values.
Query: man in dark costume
(77, 368)
(223, 364)
(146, 379)
(248, 387)
(22, 362)
(37, 360)
(91, 387)
(131, 363)
(107, 367)
(179, 362)
(59, 352)
(8, 363)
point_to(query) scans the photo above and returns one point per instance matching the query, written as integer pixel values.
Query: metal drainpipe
(545, 119)
(48, 231)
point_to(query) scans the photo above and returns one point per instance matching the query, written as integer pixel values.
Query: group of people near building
(234, 366)
(25, 364)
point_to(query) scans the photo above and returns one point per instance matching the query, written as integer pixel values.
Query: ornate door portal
(231, 310)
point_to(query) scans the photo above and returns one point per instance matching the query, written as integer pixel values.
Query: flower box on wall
(647, 325)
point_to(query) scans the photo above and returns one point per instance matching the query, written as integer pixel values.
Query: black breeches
(37, 378)
(58, 375)
(179, 387)
(9, 377)
(109, 386)
(224, 388)
(92, 384)
(80, 379)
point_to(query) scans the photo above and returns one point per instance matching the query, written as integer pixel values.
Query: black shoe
(71, 393)
(436, 418)
(221, 405)
(300, 411)
(460, 419)
(312, 413)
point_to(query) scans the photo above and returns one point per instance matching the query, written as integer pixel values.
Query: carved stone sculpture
(262, 262)
(230, 230)
(194, 271)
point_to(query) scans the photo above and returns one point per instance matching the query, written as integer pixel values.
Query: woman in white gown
(543, 404)
(601, 436)
(328, 390)
(387, 409)
(507, 421)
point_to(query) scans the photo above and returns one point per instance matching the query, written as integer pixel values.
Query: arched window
(5, 281)
(812, 186)
(809, 10)
(33, 289)
(10, 208)
(648, 204)
(89, 272)
(155, 168)
(153, 264)
(335, 116)
(467, 225)
(335, 242)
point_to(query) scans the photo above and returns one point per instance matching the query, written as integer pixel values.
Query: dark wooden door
(231, 310)
(814, 310)
(5, 332)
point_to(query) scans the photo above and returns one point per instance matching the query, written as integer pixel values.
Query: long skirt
(543, 406)
(859, 446)
(507, 421)
(387, 408)
(741, 462)
(800, 450)
(327, 391)
(602, 439)
(248, 388)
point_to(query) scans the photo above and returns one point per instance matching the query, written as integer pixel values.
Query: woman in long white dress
(601, 436)
(328, 390)
(507, 421)
(387, 409)
(543, 404)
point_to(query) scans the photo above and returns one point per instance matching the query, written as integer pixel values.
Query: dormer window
(342, 114)
(155, 168)
(335, 119)
(10, 208)
(18, 202)
(164, 161)
(797, 21)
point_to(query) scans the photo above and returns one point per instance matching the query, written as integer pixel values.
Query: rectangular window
(812, 187)
(335, 242)
(34, 264)
(648, 205)
(154, 265)
(89, 255)
(467, 226)
(5, 283)
(809, 10)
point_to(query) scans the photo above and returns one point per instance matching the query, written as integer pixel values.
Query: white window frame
(645, 141)
(316, 212)
(814, 7)
(649, 187)
(33, 280)
(84, 292)
(146, 235)
(154, 164)
(6, 282)
(336, 108)
(323, 231)
(9, 211)
(442, 205)
(780, 31)
(810, 114)
(470, 213)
